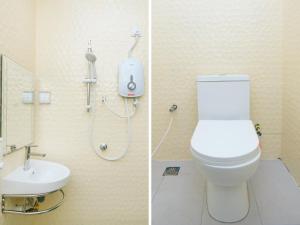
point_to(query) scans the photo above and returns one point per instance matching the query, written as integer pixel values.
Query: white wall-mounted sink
(42, 177)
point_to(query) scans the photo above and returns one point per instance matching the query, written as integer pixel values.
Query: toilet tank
(223, 97)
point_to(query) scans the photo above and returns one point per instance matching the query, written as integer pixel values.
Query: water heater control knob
(131, 85)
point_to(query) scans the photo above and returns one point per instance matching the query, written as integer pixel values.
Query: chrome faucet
(28, 153)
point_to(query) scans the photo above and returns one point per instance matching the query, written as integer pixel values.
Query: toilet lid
(225, 140)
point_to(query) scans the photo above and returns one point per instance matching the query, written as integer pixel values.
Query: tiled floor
(180, 200)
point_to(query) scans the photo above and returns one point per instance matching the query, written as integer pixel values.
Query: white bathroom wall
(17, 41)
(215, 37)
(17, 31)
(291, 90)
(99, 192)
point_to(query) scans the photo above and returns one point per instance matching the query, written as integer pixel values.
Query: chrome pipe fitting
(173, 108)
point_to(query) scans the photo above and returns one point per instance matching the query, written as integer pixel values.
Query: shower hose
(127, 116)
(129, 132)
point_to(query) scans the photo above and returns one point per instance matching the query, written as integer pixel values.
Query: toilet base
(226, 203)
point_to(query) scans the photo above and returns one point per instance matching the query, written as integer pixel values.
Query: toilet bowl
(225, 145)
(227, 153)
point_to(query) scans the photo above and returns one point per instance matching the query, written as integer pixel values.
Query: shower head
(90, 56)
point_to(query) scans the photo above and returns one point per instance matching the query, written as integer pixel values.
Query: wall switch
(28, 97)
(45, 97)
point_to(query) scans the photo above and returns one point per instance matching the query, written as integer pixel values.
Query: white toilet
(225, 145)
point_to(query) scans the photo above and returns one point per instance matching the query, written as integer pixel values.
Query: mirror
(17, 105)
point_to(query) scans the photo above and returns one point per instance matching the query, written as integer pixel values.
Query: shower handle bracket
(89, 81)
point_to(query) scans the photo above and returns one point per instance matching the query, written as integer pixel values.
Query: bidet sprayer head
(90, 56)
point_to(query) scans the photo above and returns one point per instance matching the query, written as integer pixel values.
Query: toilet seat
(225, 142)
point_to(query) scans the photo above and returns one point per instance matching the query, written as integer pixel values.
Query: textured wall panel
(17, 41)
(215, 37)
(99, 192)
(17, 31)
(291, 84)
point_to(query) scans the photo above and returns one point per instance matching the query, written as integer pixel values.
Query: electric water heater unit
(131, 78)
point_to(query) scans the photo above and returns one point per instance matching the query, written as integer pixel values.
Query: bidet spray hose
(162, 139)
(172, 109)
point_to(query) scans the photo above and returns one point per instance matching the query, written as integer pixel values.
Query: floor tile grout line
(256, 203)
(287, 169)
(203, 202)
(157, 189)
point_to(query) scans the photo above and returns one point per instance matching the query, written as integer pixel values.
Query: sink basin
(42, 177)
